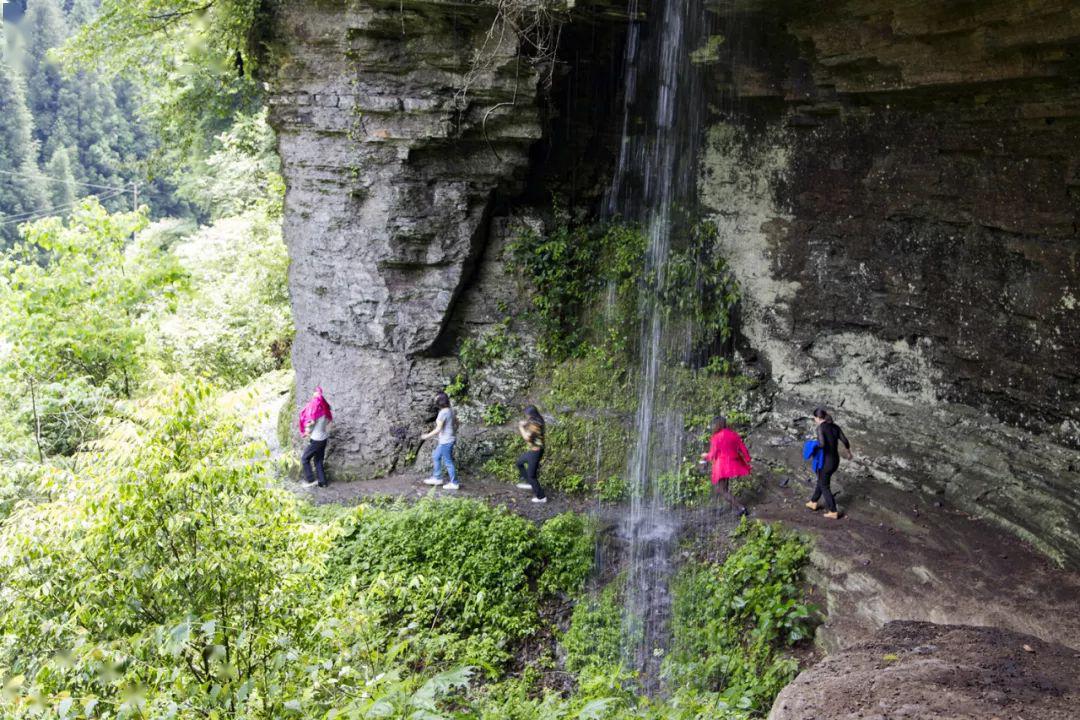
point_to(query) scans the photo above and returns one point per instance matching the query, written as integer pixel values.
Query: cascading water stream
(654, 186)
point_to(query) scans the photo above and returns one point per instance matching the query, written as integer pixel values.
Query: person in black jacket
(531, 430)
(830, 437)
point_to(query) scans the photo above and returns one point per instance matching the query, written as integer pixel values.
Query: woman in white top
(446, 425)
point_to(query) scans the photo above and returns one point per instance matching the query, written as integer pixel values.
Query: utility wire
(32, 215)
(62, 180)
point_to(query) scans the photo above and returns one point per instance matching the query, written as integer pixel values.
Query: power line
(32, 215)
(62, 180)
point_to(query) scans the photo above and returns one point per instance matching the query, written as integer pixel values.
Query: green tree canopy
(45, 28)
(194, 56)
(70, 298)
(20, 188)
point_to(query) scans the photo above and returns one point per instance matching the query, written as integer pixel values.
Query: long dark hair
(719, 423)
(442, 400)
(822, 414)
(533, 414)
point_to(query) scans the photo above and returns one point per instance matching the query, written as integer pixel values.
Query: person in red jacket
(729, 458)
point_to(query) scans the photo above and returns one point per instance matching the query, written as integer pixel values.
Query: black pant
(528, 466)
(824, 477)
(315, 450)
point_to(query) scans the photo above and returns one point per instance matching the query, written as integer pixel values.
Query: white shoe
(523, 486)
(539, 500)
(433, 481)
(311, 484)
(450, 486)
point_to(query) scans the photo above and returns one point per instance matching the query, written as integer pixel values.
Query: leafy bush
(165, 574)
(568, 267)
(732, 623)
(242, 174)
(20, 481)
(489, 347)
(461, 569)
(567, 542)
(496, 414)
(613, 488)
(594, 640)
(236, 324)
(71, 299)
(684, 487)
(571, 265)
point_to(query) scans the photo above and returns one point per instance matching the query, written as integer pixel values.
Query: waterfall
(654, 185)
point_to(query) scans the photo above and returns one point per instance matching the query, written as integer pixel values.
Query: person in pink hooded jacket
(729, 458)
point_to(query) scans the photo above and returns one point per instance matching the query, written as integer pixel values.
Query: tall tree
(62, 189)
(20, 184)
(45, 29)
(80, 12)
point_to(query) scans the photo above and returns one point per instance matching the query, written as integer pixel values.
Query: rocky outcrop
(921, 671)
(896, 185)
(398, 123)
(896, 188)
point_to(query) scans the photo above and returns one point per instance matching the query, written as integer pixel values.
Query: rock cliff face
(896, 185)
(394, 144)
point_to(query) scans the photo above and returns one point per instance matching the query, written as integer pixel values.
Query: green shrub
(166, 569)
(594, 640)
(732, 623)
(237, 324)
(496, 414)
(490, 346)
(684, 487)
(19, 481)
(458, 389)
(568, 542)
(613, 488)
(568, 267)
(501, 464)
(461, 569)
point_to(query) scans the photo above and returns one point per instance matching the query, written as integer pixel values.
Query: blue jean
(444, 455)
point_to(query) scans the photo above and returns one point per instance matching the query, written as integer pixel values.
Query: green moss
(596, 381)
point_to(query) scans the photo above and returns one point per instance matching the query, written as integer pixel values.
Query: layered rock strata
(896, 188)
(398, 123)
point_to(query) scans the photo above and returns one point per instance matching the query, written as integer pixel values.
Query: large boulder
(922, 671)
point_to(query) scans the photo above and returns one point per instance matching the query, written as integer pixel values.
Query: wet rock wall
(896, 186)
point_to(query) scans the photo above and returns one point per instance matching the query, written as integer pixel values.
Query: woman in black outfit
(829, 437)
(531, 430)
